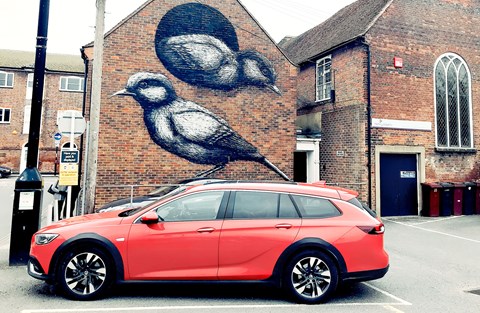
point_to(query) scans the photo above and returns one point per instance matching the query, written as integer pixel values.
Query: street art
(187, 129)
(199, 46)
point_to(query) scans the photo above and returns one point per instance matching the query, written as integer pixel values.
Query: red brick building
(204, 86)
(393, 86)
(64, 76)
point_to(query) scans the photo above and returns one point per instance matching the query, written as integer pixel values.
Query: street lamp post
(29, 185)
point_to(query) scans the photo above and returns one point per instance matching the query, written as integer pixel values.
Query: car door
(182, 246)
(258, 227)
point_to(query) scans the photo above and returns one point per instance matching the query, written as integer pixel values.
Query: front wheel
(85, 273)
(310, 277)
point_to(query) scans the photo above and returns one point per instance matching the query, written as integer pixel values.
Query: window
(197, 207)
(324, 79)
(312, 207)
(29, 91)
(453, 109)
(261, 205)
(4, 115)
(6, 79)
(71, 83)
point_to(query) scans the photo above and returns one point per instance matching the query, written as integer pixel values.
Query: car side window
(312, 207)
(262, 205)
(195, 207)
(255, 205)
(286, 208)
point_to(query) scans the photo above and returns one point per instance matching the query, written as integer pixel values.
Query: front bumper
(35, 270)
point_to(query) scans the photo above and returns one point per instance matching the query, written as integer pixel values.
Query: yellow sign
(68, 174)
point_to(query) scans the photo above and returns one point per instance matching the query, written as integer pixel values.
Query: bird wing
(197, 52)
(201, 126)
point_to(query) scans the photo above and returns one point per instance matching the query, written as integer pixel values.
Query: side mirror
(150, 218)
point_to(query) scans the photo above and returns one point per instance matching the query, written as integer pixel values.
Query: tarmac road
(435, 267)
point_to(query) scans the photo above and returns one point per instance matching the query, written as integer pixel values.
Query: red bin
(431, 199)
(477, 199)
(458, 198)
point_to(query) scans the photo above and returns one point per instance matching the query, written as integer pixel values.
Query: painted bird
(198, 45)
(187, 129)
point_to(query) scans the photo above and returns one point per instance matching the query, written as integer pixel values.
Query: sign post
(57, 137)
(71, 124)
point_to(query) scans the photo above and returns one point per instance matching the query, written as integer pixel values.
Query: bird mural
(199, 46)
(187, 129)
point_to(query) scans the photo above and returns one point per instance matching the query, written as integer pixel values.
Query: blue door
(398, 184)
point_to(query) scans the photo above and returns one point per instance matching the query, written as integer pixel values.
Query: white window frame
(2, 116)
(29, 91)
(66, 80)
(7, 75)
(452, 57)
(325, 85)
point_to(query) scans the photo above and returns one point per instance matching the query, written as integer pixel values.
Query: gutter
(369, 120)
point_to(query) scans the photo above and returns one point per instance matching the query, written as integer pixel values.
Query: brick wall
(127, 155)
(12, 136)
(419, 32)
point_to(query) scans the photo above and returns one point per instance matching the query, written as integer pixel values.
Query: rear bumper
(365, 275)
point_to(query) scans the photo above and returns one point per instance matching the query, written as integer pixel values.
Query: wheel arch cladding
(89, 240)
(309, 244)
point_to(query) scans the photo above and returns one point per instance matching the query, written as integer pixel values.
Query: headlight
(43, 239)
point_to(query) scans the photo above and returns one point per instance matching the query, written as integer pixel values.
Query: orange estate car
(304, 238)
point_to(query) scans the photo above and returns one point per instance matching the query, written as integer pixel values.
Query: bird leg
(206, 173)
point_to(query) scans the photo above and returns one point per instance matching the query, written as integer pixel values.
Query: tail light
(373, 230)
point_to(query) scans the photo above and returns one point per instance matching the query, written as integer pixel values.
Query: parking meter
(27, 205)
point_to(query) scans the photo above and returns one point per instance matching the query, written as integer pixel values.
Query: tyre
(310, 277)
(85, 273)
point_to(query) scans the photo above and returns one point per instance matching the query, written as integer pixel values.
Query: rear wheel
(310, 277)
(85, 273)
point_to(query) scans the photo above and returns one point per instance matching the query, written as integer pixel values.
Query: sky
(71, 22)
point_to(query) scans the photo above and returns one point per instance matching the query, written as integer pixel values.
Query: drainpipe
(84, 101)
(369, 122)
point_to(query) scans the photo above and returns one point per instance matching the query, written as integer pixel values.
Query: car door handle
(283, 226)
(206, 230)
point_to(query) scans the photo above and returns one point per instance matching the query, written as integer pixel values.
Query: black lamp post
(29, 185)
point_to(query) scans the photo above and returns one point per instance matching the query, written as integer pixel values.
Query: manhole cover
(474, 291)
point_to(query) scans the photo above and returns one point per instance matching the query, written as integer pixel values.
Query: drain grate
(474, 291)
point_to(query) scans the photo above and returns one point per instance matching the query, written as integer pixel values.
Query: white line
(205, 307)
(387, 294)
(391, 308)
(437, 232)
(439, 220)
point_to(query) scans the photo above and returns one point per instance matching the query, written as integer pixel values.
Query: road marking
(391, 308)
(436, 232)
(438, 220)
(387, 294)
(208, 307)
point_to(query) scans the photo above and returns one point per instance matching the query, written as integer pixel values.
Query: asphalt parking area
(435, 267)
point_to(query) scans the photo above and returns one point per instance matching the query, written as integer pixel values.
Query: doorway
(399, 184)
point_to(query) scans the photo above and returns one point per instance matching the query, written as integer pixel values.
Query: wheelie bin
(469, 198)
(446, 199)
(431, 199)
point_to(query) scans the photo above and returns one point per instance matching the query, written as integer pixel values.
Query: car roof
(320, 189)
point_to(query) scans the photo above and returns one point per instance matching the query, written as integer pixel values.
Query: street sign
(72, 123)
(57, 137)
(68, 174)
(69, 156)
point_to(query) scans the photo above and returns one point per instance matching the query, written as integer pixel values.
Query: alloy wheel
(311, 277)
(85, 273)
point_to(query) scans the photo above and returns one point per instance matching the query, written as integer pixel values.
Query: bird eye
(265, 71)
(143, 85)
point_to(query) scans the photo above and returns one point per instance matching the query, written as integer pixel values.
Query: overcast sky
(71, 22)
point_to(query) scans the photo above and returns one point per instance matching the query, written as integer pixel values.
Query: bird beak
(275, 89)
(123, 92)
